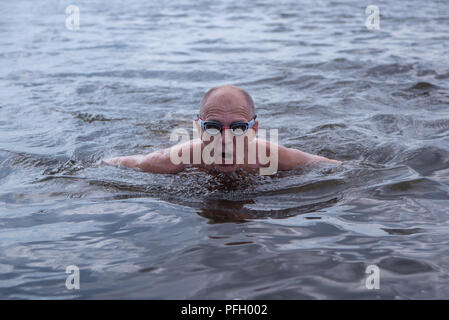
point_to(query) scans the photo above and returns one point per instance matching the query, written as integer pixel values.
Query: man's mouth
(226, 159)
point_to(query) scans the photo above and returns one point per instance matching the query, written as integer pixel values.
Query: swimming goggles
(237, 128)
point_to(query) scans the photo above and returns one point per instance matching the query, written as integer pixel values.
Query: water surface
(375, 99)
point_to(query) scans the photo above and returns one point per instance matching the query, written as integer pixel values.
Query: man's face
(226, 105)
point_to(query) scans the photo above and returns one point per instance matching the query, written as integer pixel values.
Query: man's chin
(226, 167)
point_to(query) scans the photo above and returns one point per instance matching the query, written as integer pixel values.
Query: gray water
(135, 70)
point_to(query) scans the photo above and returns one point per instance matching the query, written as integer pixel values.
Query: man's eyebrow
(237, 121)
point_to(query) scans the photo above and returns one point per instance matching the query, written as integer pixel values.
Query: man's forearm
(159, 162)
(290, 158)
(155, 162)
(127, 161)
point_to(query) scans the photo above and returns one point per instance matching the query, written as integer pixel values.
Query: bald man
(227, 117)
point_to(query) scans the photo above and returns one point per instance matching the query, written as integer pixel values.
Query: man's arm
(155, 162)
(290, 158)
(280, 158)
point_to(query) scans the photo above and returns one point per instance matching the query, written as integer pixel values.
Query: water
(376, 99)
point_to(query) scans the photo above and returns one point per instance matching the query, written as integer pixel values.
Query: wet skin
(226, 105)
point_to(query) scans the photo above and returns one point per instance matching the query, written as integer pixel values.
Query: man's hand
(155, 162)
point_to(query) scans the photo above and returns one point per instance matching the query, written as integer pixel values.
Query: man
(227, 128)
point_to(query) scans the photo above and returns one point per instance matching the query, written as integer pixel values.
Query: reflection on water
(374, 99)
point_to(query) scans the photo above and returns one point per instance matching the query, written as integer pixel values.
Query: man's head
(227, 105)
(227, 98)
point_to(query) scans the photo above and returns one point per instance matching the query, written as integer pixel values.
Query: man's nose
(226, 137)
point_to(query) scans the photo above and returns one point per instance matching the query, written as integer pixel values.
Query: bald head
(227, 97)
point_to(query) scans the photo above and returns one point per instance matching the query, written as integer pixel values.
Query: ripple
(416, 188)
(423, 87)
(89, 118)
(389, 69)
(404, 266)
(376, 99)
(403, 232)
(427, 160)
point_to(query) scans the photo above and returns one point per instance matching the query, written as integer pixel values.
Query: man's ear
(252, 132)
(256, 126)
(198, 127)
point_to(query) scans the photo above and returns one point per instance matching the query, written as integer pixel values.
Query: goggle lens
(212, 128)
(239, 129)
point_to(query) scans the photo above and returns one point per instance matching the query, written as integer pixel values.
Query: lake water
(376, 99)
